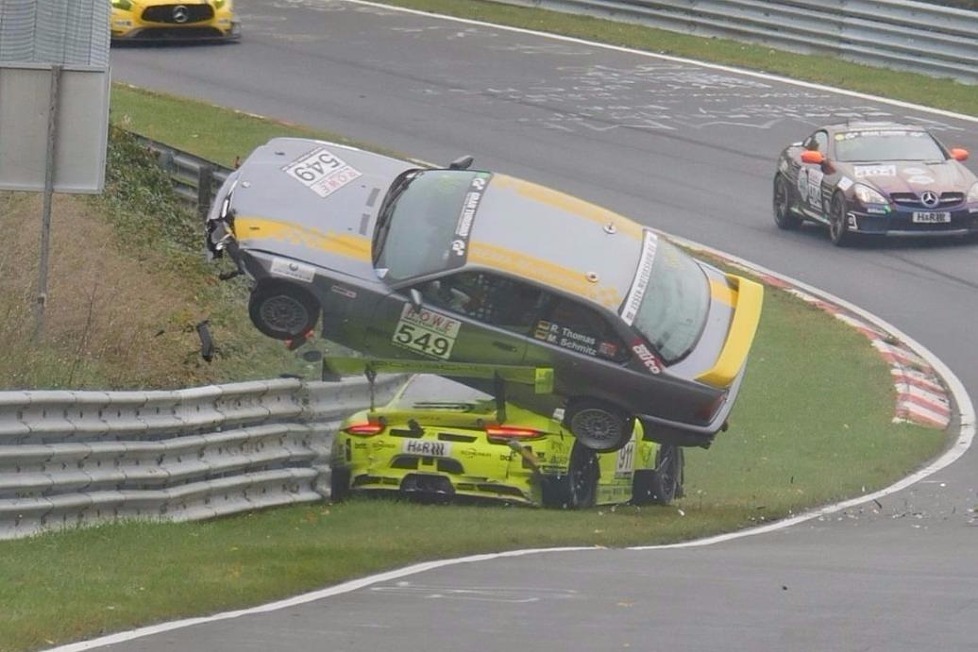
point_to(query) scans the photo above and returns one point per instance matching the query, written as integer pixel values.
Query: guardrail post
(205, 189)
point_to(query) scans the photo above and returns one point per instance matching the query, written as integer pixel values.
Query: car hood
(912, 176)
(309, 200)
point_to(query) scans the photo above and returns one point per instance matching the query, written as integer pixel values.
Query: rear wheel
(339, 484)
(838, 227)
(599, 426)
(783, 216)
(282, 310)
(579, 487)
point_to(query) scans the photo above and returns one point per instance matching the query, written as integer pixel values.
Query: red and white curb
(921, 396)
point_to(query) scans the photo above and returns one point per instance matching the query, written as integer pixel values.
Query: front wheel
(599, 426)
(783, 216)
(282, 311)
(838, 222)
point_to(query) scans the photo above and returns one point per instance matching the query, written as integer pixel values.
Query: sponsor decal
(321, 171)
(863, 171)
(845, 183)
(913, 172)
(634, 299)
(647, 357)
(343, 292)
(463, 228)
(921, 179)
(426, 332)
(426, 447)
(293, 270)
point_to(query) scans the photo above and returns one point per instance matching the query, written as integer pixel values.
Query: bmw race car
(162, 20)
(461, 265)
(882, 179)
(440, 440)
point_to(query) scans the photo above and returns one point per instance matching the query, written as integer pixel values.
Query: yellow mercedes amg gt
(440, 440)
(162, 20)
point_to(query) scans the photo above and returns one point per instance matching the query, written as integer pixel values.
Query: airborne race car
(461, 265)
(876, 179)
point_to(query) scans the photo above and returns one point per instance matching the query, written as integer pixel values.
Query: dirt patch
(111, 320)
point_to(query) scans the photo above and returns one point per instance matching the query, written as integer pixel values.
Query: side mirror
(810, 156)
(959, 154)
(461, 163)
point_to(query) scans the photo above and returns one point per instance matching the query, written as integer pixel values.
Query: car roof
(555, 240)
(866, 125)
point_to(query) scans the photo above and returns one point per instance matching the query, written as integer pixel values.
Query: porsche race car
(876, 179)
(440, 440)
(460, 265)
(166, 20)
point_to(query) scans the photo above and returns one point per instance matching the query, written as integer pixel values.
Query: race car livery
(161, 20)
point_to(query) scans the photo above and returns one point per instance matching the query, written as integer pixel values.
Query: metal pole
(42, 282)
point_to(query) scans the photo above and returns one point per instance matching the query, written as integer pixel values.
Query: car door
(810, 182)
(461, 317)
(588, 356)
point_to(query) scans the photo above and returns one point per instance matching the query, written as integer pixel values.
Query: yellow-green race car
(440, 440)
(161, 20)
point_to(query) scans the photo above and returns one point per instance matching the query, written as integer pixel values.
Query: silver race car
(456, 265)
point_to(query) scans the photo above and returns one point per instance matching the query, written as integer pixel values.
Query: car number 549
(423, 340)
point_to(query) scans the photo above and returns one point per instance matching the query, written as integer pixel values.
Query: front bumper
(900, 223)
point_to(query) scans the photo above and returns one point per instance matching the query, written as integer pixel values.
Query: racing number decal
(426, 332)
(625, 462)
(321, 171)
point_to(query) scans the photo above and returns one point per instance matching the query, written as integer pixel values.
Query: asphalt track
(690, 150)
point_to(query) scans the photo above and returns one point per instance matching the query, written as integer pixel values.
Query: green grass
(812, 425)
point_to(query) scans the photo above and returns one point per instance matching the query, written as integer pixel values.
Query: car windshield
(669, 300)
(887, 145)
(420, 218)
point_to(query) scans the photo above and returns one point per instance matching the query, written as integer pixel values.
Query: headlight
(124, 5)
(219, 3)
(867, 195)
(972, 197)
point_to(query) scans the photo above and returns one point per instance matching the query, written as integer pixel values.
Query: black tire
(339, 484)
(599, 426)
(579, 487)
(783, 216)
(662, 485)
(838, 231)
(282, 310)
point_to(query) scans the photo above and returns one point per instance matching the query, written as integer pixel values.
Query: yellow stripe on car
(569, 204)
(543, 272)
(747, 314)
(342, 244)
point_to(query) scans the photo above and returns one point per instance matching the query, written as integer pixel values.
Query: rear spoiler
(540, 378)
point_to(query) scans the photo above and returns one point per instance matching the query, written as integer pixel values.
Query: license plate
(426, 447)
(931, 217)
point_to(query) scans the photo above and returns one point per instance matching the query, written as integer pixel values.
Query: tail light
(506, 434)
(365, 429)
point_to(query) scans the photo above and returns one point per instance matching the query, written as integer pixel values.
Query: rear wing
(540, 378)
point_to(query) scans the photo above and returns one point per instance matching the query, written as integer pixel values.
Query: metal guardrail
(74, 458)
(900, 34)
(195, 180)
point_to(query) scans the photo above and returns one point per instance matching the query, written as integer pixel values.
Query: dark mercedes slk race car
(876, 179)
(454, 265)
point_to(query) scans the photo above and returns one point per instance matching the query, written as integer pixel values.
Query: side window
(489, 298)
(818, 142)
(579, 328)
